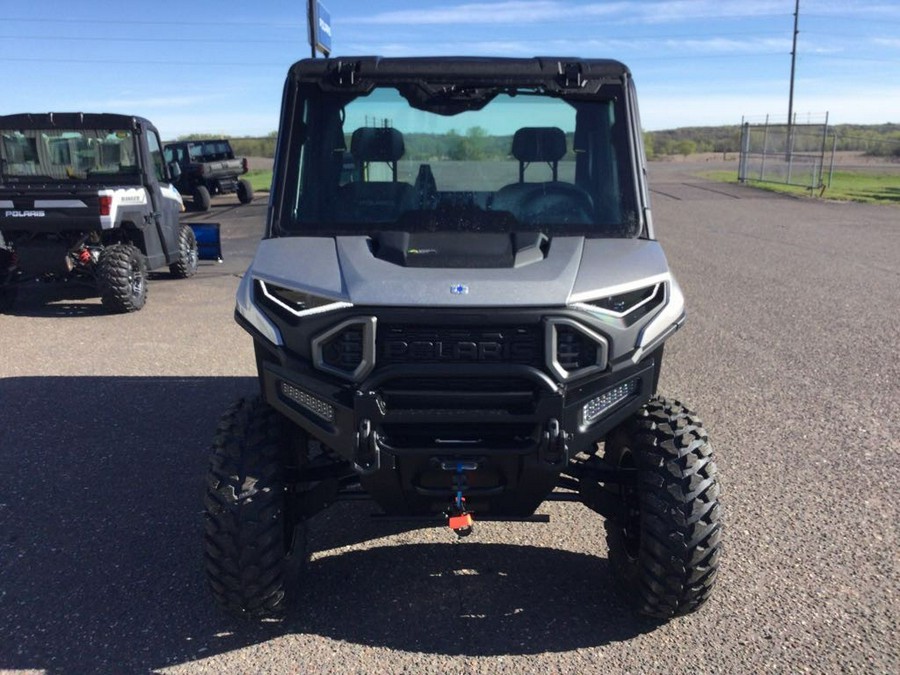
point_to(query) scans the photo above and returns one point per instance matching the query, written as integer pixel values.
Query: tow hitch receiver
(460, 520)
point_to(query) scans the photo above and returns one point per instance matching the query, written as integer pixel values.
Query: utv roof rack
(553, 72)
(72, 120)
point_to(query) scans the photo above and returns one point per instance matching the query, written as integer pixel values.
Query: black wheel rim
(136, 280)
(192, 256)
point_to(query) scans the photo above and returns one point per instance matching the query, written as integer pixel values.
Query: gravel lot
(789, 355)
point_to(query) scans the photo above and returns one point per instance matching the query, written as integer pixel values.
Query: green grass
(870, 187)
(260, 180)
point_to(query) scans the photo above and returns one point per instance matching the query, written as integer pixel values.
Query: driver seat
(376, 200)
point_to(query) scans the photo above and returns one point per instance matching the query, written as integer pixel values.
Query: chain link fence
(792, 154)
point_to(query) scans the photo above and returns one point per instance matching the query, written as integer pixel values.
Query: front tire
(188, 257)
(244, 191)
(665, 545)
(202, 200)
(249, 532)
(122, 278)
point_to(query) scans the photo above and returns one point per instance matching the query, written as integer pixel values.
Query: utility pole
(790, 119)
(311, 18)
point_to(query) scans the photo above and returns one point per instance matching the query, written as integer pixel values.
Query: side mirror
(174, 170)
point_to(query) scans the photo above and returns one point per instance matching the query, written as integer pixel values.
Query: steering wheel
(556, 203)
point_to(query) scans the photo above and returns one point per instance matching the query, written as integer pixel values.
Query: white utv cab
(87, 196)
(459, 310)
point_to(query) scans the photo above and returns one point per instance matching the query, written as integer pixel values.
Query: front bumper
(475, 409)
(418, 435)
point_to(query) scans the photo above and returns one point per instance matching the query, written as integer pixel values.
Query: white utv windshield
(518, 160)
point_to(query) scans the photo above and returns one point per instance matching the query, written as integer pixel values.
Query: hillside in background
(880, 140)
(243, 146)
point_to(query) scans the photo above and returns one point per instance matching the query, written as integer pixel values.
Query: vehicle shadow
(73, 298)
(469, 598)
(57, 299)
(101, 555)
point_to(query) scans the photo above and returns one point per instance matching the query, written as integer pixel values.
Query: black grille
(574, 349)
(344, 350)
(469, 384)
(521, 345)
(449, 396)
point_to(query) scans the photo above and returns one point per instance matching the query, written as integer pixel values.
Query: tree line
(880, 140)
(877, 140)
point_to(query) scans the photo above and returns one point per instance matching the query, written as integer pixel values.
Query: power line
(230, 40)
(106, 62)
(143, 22)
(235, 41)
(105, 38)
(857, 19)
(292, 59)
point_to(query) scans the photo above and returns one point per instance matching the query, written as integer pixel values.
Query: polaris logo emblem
(24, 214)
(430, 351)
(459, 289)
(445, 344)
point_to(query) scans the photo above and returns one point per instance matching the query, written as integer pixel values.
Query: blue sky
(218, 67)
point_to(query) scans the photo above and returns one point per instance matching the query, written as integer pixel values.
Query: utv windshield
(68, 155)
(489, 160)
(208, 151)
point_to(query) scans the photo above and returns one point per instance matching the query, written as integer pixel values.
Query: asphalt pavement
(789, 354)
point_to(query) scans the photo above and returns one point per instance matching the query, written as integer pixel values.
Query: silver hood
(344, 269)
(575, 271)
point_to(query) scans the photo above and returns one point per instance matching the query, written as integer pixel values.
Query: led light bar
(305, 400)
(596, 407)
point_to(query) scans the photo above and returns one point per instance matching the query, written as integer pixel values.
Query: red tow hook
(459, 519)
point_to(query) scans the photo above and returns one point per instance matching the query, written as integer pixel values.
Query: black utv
(89, 197)
(464, 320)
(208, 167)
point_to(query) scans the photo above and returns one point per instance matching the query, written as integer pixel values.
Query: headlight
(665, 322)
(296, 303)
(248, 309)
(630, 306)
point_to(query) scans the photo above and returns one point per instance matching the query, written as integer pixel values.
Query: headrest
(539, 144)
(376, 144)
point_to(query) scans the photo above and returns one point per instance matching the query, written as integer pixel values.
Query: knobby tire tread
(186, 265)
(114, 268)
(680, 520)
(244, 540)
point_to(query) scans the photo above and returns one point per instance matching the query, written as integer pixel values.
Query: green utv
(459, 310)
(208, 167)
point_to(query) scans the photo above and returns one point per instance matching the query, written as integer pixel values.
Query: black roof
(486, 71)
(188, 141)
(73, 120)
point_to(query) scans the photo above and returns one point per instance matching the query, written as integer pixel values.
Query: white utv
(459, 310)
(88, 197)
